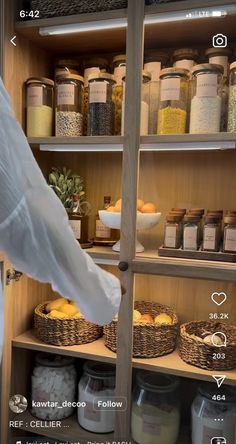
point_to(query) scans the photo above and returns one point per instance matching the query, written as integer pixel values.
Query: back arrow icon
(13, 40)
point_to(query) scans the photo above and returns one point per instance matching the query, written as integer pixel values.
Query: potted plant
(70, 190)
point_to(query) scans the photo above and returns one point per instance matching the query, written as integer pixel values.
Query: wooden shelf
(171, 364)
(104, 255)
(82, 144)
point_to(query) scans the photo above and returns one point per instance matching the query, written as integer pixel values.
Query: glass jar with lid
(40, 107)
(210, 405)
(229, 245)
(155, 409)
(155, 61)
(211, 233)
(172, 111)
(191, 232)
(66, 66)
(185, 58)
(232, 99)
(69, 105)
(220, 56)
(206, 102)
(101, 114)
(97, 384)
(54, 383)
(119, 67)
(173, 230)
(87, 72)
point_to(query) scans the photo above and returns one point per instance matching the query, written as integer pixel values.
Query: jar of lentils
(232, 99)
(206, 102)
(119, 66)
(101, 114)
(69, 105)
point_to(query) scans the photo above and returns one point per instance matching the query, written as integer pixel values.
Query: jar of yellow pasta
(172, 111)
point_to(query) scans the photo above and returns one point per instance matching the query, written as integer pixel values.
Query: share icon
(219, 379)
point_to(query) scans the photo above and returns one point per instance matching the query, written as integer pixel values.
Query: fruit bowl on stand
(144, 222)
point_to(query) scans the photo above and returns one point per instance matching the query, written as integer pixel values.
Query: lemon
(69, 309)
(163, 318)
(57, 314)
(56, 304)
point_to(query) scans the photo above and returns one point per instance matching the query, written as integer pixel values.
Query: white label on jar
(91, 414)
(154, 68)
(151, 425)
(66, 94)
(119, 73)
(209, 240)
(207, 85)
(230, 239)
(101, 230)
(76, 227)
(190, 238)
(98, 92)
(170, 89)
(209, 433)
(220, 60)
(35, 96)
(185, 64)
(170, 237)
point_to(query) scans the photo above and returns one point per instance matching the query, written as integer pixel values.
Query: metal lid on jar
(99, 370)
(70, 76)
(101, 76)
(174, 71)
(156, 56)
(40, 80)
(185, 53)
(232, 66)
(223, 52)
(154, 382)
(206, 67)
(51, 360)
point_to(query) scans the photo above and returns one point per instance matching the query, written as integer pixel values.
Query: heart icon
(218, 298)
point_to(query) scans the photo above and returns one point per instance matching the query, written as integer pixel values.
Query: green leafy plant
(70, 190)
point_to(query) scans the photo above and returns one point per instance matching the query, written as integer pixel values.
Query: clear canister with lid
(87, 72)
(211, 233)
(229, 244)
(172, 111)
(185, 58)
(232, 99)
(209, 406)
(40, 107)
(173, 230)
(206, 102)
(191, 232)
(53, 386)
(155, 409)
(97, 384)
(101, 113)
(119, 68)
(69, 105)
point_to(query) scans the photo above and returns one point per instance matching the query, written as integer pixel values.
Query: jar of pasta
(119, 67)
(206, 102)
(40, 104)
(172, 111)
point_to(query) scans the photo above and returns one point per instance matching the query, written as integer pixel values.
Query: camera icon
(219, 41)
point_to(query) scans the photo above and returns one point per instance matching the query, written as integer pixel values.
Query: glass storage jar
(87, 72)
(173, 231)
(119, 67)
(229, 245)
(40, 107)
(69, 105)
(211, 233)
(232, 99)
(54, 382)
(185, 58)
(220, 56)
(172, 111)
(101, 114)
(66, 66)
(191, 232)
(97, 383)
(206, 410)
(155, 417)
(206, 102)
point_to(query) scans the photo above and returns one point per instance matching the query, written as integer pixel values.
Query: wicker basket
(67, 331)
(149, 340)
(196, 352)
(59, 8)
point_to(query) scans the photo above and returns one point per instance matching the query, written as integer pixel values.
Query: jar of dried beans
(101, 112)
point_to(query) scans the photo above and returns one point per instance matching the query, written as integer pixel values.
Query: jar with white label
(102, 232)
(191, 232)
(155, 417)
(40, 107)
(232, 99)
(87, 72)
(101, 114)
(173, 231)
(53, 390)
(211, 233)
(214, 415)
(206, 102)
(185, 58)
(220, 56)
(172, 111)
(97, 385)
(119, 67)
(69, 105)
(229, 245)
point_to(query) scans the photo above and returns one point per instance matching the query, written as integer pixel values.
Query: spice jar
(211, 233)
(229, 245)
(172, 111)
(155, 410)
(87, 73)
(97, 383)
(173, 231)
(191, 232)
(66, 66)
(220, 56)
(206, 100)
(101, 113)
(185, 58)
(206, 411)
(54, 381)
(119, 66)
(69, 105)
(40, 104)
(232, 99)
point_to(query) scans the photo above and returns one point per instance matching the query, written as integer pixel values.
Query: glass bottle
(206, 102)
(191, 232)
(229, 245)
(211, 234)
(232, 99)
(173, 231)
(87, 72)
(119, 68)
(172, 111)
(102, 232)
(40, 107)
(101, 114)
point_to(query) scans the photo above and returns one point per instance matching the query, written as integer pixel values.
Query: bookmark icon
(219, 379)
